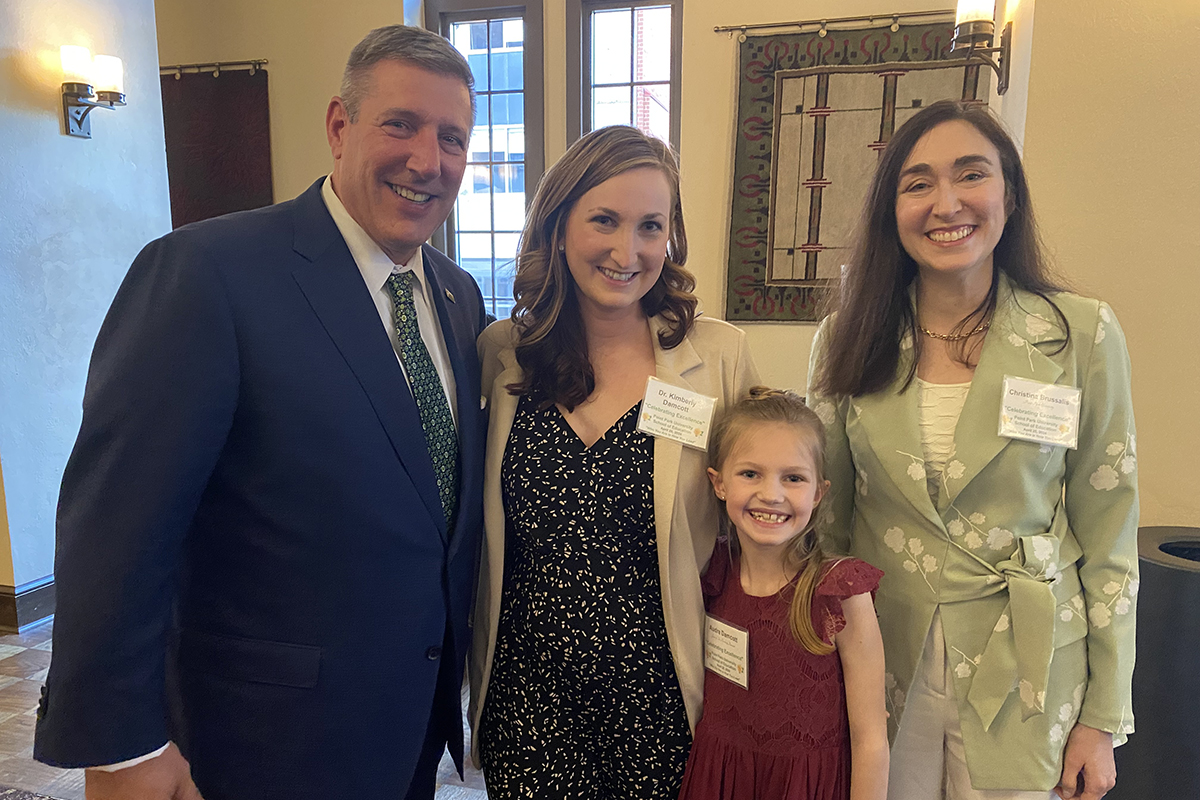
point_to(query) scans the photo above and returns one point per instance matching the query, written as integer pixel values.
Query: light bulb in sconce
(76, 64)
(80, 72)
(974, 35)
(108, 75)
(975, 11)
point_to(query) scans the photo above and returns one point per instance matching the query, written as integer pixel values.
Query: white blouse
(939, 406)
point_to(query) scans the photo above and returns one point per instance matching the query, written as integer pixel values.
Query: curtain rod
(823, 24)
(214, 67)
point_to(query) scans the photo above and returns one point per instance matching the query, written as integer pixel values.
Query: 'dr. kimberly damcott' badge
(674, 413)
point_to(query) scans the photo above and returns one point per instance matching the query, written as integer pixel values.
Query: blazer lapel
(335, 290)
(888, 419)
(670, 366)
(1021, 322)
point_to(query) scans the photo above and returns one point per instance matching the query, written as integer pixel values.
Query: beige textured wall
(708, 120)
(74, 213)
(1118, 198)
(306, 43)
(1112, 146)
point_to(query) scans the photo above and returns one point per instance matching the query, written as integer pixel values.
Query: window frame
(579, 61)
(439, 16)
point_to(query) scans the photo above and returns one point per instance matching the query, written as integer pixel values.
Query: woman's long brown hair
(551, 345)
(873, 311)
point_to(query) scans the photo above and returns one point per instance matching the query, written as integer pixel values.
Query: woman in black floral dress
(587, 668)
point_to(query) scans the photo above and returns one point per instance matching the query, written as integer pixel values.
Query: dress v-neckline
(602, 436)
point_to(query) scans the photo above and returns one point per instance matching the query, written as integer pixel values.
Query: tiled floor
(24, 658)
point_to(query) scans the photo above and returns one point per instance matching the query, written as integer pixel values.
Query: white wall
(74, 214)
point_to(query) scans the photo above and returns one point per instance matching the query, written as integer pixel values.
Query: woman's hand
(1088, 767)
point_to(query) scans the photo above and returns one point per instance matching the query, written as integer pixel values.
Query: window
(626, 66)
(503, 49)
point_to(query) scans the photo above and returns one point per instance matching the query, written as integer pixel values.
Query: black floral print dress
(583, 700)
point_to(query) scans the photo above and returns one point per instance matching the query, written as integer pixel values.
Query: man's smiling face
(398, 165)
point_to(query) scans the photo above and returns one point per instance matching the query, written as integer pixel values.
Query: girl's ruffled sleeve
(846, 578)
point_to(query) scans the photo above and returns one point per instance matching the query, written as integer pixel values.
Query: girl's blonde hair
(766, 406)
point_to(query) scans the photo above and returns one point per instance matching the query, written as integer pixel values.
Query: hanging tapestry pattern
(813, 114)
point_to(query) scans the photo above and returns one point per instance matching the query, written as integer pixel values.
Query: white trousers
(928, 760)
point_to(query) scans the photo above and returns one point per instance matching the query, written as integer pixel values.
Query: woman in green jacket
(982, 453)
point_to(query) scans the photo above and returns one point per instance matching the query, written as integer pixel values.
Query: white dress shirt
(376, 268)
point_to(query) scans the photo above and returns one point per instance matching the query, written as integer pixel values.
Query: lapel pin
(450, 295)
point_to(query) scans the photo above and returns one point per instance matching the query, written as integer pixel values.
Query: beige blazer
(713, 360)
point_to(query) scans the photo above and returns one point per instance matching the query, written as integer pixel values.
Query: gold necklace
(955, 337)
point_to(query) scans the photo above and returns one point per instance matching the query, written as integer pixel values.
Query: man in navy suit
(268, 527)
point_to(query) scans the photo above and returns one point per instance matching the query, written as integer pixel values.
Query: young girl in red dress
(801, 714)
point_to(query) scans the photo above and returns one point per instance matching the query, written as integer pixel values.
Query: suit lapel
(335, 290)
(459, 337)
(888, 419)
(1022, 322)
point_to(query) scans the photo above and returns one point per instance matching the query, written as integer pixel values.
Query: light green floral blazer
(1030, 551)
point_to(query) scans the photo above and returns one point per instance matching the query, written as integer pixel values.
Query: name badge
(678, 414)
(1040, 412)
(727, 651)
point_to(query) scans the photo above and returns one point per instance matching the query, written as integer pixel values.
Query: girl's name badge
(678, 414)
(1040, 412)
(727, 651)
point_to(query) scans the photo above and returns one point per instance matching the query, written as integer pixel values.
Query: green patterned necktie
(436, 421)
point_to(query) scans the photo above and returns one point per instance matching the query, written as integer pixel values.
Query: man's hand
(164, 777)
(1088, 767)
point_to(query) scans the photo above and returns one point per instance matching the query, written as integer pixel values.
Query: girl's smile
(769, 485)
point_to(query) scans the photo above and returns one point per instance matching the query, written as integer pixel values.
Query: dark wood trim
(26, 605)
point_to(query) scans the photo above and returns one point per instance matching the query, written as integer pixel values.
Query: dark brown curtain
(218, 143)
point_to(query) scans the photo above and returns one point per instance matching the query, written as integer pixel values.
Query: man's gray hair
(416, 46)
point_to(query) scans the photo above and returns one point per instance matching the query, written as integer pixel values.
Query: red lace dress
(787, 737)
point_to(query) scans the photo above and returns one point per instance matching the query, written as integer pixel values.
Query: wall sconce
(974, 32)
(80, 72)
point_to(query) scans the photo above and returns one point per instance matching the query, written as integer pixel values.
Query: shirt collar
(373, 263)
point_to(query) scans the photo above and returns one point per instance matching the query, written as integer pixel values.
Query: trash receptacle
(1162, 759)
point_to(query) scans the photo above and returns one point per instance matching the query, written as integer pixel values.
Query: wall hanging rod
(214, 67)
(823, 24)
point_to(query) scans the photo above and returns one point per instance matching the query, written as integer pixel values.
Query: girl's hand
(1088, 767)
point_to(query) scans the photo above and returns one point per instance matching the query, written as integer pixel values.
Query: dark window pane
(496, 34)
(479, 178)
(508, 109)
(518, 178)
(500, 179)
(478, 64)
(481, 139)
(478, 35)
(507, 70)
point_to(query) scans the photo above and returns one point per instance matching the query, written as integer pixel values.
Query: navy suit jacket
(252, 557)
